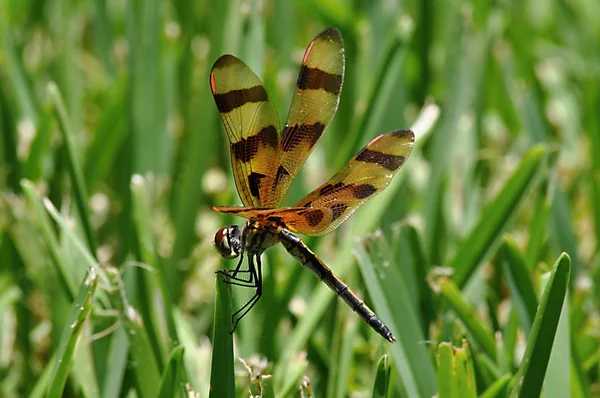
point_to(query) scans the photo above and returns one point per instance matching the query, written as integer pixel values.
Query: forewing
(252, 126)
(315, 101)
(363, 177)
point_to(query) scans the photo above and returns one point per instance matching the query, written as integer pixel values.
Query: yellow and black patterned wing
(314, 104)
(328, 206)
(252, 126)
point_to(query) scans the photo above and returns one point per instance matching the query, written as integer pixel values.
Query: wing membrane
(315, 101)
(328, 206)
(252, 126)
(363, 177)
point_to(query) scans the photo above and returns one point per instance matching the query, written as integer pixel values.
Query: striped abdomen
(300, 251)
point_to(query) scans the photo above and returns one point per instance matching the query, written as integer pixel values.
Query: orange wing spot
(307, 53)
(213, 87)
(374, 140)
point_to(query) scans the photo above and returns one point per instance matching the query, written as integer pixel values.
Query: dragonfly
(265, 159)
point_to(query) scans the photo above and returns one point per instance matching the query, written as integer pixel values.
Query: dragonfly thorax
(257, 238)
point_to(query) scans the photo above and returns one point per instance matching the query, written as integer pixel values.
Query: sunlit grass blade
(74, 166)
(395, 307)
(174, 377)
(222, 377)
(80, 309)
(530, 377)
(382, 378)
(521, 286)
(485, 236)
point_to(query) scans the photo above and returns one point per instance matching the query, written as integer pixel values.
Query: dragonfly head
(228, 241)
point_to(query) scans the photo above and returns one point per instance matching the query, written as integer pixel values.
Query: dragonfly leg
(232, 275)
(239, 314)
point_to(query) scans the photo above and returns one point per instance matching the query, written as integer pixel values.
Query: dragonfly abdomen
(302, 253)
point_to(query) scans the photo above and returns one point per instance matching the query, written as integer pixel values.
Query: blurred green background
(113, 153)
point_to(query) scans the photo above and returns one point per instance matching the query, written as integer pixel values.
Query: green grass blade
(529, 379)
(72, 332)
(296, 369)
(519, 281)
(42, 383)
(382, 378)
(485, 236)
(560, 232)
(557, 381)
(455, 299)
(142, 216)
(394, 305)
(174, 377)
(8, 296)
(49, 236)
(592, 95)
(539, 225)
(109, 136)
(445, 373)
(465, 373)
(27, 102)
(147, 99)
(455, 373)
(346, 353)
(498, 389)
(222, 377)
(41, 145)
(74, 166)
(146, 369)
(268, 387)
(117, 356)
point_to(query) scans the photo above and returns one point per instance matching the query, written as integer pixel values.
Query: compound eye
(223, 243)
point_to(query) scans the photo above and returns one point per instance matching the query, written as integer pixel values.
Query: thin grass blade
(72, 332)
(382, 378)
(222, 377)
(530, 377)
(485, 236)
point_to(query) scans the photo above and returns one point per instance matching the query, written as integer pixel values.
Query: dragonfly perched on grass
(265, 159)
